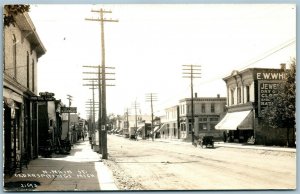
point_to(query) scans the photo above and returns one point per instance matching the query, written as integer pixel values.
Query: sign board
(46, 94)
(42, 98)
(68, 109)
(267, 89)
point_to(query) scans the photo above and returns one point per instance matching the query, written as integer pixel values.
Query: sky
(149, 45)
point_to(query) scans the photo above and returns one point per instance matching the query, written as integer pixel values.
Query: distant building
(248, 94)
(131, 124)
(22, 49)
(170, 126)
(177, 122)
(208, 111)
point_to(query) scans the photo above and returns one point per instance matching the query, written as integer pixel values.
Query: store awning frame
(242, 120)
(163, 127)
(140, 128)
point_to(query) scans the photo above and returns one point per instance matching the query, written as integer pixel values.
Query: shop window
(202, 126)
(212, 126)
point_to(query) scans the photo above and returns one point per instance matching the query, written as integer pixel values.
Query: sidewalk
(81, 170)
(233, 145)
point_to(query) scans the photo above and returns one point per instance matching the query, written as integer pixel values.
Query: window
(14, 55)
(203, 108)
(239, 96)
(27, 69)
(212, 126)
(32, 75)
(187, 109)
(247, 94)
(232, 96)
(213, 119)
(212, 108)
(202, 126)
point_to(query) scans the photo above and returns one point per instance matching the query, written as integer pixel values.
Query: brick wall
(23, 47)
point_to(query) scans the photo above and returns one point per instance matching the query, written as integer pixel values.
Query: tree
(12, 11)
(282, 113)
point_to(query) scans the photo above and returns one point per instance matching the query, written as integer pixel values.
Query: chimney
(196, 95)
(282, 66)
(218, 95)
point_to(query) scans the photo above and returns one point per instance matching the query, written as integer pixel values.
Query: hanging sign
(68, 109)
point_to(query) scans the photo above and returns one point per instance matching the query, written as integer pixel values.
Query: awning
(163, 127)
(118, 130)
(242, 120)
(9, 94)
(140, 128)
(155, 129)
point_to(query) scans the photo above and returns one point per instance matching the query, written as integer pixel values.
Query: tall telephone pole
(150, 98)
(99, 79)
(103, 81)
(191, 72)
(135, 106)
(70, 100)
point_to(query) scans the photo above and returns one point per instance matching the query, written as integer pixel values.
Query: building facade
(208, 111)
(170, 127)
(22, 49)
(249, 93)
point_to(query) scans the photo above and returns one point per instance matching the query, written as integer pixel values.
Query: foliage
(282, 113)
(12, 11)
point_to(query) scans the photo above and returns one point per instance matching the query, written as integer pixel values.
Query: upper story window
(27, 69)
(203, 108)
(247, 94)
(14, 55)
(32, 75)
(212, 108)
(239, 95)
(232, 96)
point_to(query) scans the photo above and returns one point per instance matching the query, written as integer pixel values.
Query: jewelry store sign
(268, 88)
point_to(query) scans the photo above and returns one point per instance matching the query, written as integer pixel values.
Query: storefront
(12, 117)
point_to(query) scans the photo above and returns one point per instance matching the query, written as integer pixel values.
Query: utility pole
(127, 121)
(135, 106)
(70, 99)
(99, 85)
(103, 81)
(191, 72)
(150, 98)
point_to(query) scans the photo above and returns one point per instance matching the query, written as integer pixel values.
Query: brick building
(208, 111)
(248, 94)
(22, 49)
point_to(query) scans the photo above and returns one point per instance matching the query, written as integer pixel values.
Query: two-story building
(249, 93)
(208, 111)
(22, 49)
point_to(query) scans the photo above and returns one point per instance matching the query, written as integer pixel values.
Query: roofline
(25, 18)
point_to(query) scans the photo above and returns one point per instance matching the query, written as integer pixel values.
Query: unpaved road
(157, 165)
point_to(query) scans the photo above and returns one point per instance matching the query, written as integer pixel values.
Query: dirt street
(148, 165)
